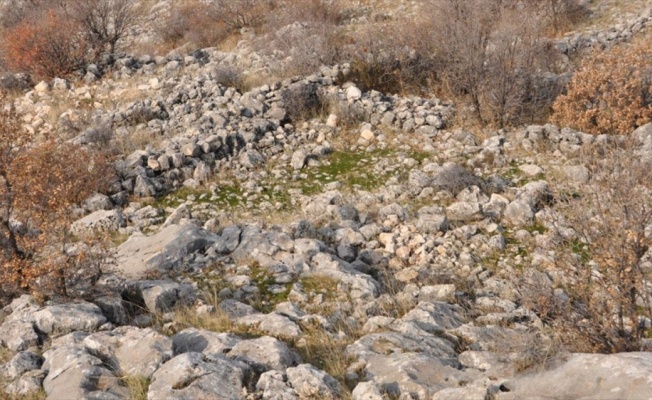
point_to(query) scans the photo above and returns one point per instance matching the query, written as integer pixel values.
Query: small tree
(46, 46)
(39, 183)
(104, 22)
(610, 93)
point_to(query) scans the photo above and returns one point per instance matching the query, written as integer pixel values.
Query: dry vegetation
(602, 303)
(39, 183)
(611, 92)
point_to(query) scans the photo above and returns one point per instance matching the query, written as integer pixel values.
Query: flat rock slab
(192, 376)
(587, 376)
(70, 317)
(162, 251)
(130, 350)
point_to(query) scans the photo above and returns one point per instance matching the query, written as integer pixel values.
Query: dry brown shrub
(39, 183)
(611, 93)
(48, 46)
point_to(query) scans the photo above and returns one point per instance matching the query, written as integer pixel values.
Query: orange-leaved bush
(40, 181)
(46, 46)
(611, 93)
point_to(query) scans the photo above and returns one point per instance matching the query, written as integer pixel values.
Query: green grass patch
(270, 292)
(323, 285)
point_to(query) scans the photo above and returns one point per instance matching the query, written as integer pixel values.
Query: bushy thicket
(53, 39)
(40, 181)
(611, 92)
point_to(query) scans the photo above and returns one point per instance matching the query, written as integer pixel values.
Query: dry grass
(137, 385)
(326, 350)
(5, 356)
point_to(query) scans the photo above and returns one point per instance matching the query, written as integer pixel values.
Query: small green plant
(270, 293)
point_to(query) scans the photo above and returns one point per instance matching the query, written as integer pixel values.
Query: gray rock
(98, 201)
(310, 382)
(234, 309)
(434, 317)
(29, 382)
(393, 209)
(578, 174)
(130, 350)
(70, 317)
(413, 375)
(595, 376)
(192, 376)
(464, 211)
(251, 159)
(643, 133)
(264, 354)
(21, 363)
(367, 391)
(99, 221)
(430, 223)
(209, 343)
(145, 187)
(113, 309)
(272, 324)
(273, 385)
(162, 251)
(18, 335)
(159, 296)
(299, 158)
(181, 212)
(531, 198)
(75, 374)
(353, 93)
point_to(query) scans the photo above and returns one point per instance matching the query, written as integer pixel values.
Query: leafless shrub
(193, 22)
(230, 76)
(455, 178)
(238, 14)
(105, 22)
(601, 298)
(100, 134)
(491, 53)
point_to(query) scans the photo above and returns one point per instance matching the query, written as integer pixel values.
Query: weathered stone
(18, 335)
(161, 251)
(209, 343)
(310, 382)
(21, 363)
(99, 221)
(69, 317)
(596, 376)
(264, 354)
(159, 296)
(130, 350)
(194, 376)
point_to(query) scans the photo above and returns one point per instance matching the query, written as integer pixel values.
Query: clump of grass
(327, 351)
(267, 299)
(352, 169)
(323, 285)
(138, 386)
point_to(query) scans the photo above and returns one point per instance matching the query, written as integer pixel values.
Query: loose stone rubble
(253, 239)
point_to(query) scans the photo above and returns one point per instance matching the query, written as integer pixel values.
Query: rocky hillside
(310, 239)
